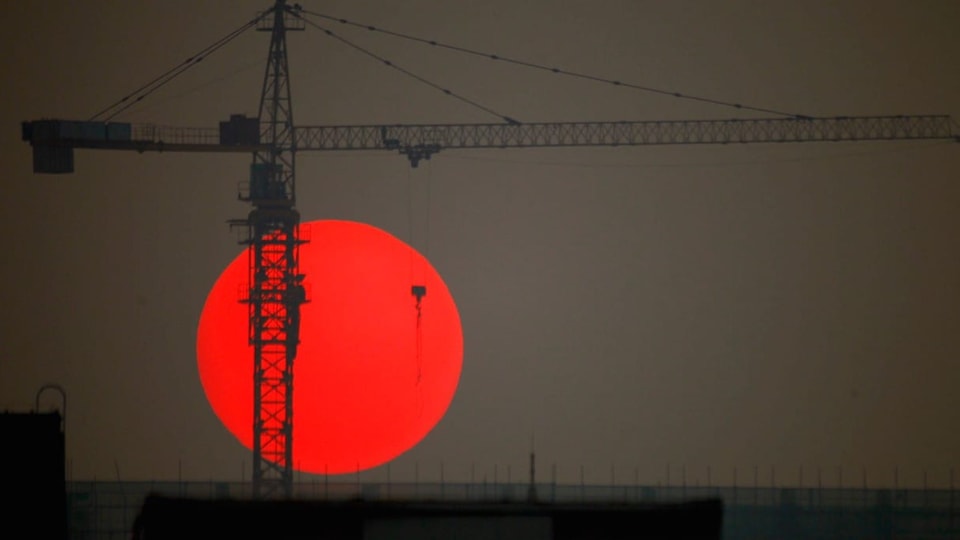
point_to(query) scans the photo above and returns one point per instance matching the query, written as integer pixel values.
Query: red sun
(369, 381)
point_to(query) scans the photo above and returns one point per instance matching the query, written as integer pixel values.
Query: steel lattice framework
(275, 282)
(276, 291)
(427, 139)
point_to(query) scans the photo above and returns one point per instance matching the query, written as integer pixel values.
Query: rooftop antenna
(532, 489)
(63, 402)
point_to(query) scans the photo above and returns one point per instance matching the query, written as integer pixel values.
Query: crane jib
(53, 140)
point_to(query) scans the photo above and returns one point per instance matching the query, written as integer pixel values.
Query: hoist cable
(419, 344)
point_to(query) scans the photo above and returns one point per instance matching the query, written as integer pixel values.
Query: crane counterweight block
(52, 159)
(53, 140)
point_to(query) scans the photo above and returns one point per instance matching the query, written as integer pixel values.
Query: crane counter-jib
(54, 140)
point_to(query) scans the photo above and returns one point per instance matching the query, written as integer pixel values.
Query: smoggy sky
(633, 309)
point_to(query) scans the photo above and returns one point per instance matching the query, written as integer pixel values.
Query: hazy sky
(776, 306)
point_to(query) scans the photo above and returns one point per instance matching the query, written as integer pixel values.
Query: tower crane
(275, 291)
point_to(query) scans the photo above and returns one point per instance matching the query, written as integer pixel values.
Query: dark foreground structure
(35, 488)
(165, 518)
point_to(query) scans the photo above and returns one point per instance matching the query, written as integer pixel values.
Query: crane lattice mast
(275, 282)
(276, 291)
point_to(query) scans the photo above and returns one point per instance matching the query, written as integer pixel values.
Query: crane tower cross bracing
(275, 282)
(275, 285)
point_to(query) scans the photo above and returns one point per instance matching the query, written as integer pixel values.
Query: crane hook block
(419, 291)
